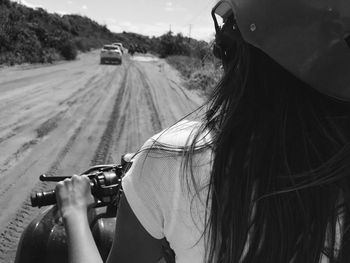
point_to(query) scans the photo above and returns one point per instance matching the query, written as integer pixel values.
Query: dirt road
(61, 119)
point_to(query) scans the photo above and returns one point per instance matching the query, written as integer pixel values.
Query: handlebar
(105, 181)
(43, 198)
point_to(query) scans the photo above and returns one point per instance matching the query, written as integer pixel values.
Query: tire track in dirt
(40, 75)
(49, 125)
(90, 86)
(26, 213)
(55, 166)
(7, 136)
(179, 88)
(16, 156)
(10, 234)
(44, 129)
(83, 123)
(75, 96)
(155, 118)
(127, 97)
(102, 153)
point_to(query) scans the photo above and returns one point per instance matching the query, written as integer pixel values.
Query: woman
(265, 177)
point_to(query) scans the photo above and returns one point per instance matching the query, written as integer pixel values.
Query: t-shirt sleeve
(151, 184)
(145, 188)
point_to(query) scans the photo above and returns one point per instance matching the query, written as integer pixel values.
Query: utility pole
(170, 28)
(189, 33)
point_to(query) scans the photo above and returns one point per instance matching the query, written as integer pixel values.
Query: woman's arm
(132, 243)
(81, 245)
(73, 199)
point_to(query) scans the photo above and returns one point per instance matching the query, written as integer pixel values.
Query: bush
(173, 45)
(6, 3)
(184, 64)
(81, 44)
(49, 55)
(68, 50)
(9, 58)
(197, 74)
(30, 48)
(204, 80)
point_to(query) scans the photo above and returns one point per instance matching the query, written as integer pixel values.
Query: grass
(198, 75)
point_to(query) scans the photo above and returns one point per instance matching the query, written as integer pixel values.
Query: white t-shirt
(163, 198)
(156, 189)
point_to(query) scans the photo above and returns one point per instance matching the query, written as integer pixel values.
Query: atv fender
(44, 239)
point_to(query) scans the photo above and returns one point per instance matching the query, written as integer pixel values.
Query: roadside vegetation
(199, 74)
(194, 60)
(30, 35)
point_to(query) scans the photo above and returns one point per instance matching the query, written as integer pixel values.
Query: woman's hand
(73, 199)
(74, 196)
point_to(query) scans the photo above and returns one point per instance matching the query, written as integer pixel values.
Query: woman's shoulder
(165, 152)
(180, 136)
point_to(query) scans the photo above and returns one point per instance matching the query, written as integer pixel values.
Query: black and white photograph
(162, 131)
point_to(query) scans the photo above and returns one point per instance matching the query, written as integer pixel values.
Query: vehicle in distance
(120, 45)
(111, 54)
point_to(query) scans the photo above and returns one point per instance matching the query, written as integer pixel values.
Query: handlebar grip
(43, 198)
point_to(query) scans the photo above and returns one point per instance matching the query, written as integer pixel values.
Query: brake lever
(47, 178)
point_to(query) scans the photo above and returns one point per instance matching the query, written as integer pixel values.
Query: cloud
(159, 28)
(110, 21)
(70, 2)
(61, 13)
(118, 27)
(84, 7)
(26, 3)
(206, 33)
(169, 7)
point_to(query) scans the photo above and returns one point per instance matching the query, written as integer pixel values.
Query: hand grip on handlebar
(105, 183)
(46, 198)
(43, 198)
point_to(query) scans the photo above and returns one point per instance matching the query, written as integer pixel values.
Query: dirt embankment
(61, 119)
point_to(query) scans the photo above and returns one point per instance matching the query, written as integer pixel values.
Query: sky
(148, 17)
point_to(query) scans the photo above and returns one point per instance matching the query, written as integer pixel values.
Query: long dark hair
(279, 189)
